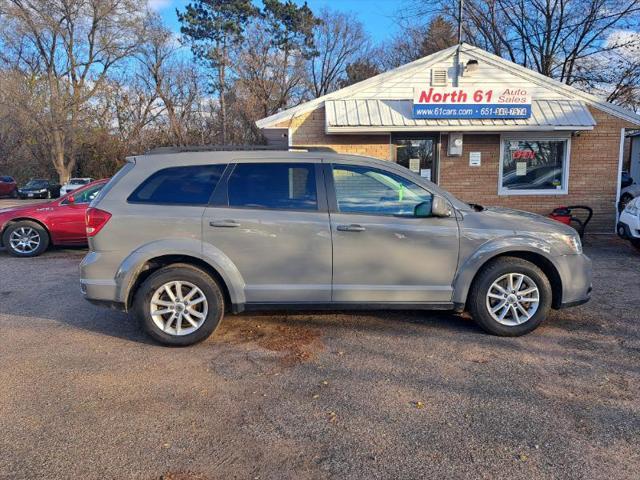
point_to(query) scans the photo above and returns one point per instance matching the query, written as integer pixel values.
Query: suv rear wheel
(510, 297)
(179, 305)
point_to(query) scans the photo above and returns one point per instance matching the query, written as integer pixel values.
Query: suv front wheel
(179, 305)
(510, 297)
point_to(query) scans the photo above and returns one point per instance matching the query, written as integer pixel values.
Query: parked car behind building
(629, 222)
(180, 238)
(27, 231)
(629, 190)
(39, 188)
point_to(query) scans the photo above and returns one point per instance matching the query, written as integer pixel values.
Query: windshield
(78, 181)
(37, 184)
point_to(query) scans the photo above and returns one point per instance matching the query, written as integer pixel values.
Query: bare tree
(358, 71)
(267, 78)
(72, 45)
(340, 40)
(417, 40)
(24, 150)
(126, 108)
(550, 36)
(173, 80)
(215, 28)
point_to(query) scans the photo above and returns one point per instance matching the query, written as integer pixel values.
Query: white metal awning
(381, 116)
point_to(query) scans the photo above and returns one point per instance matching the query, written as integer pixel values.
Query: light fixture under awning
(381, 116)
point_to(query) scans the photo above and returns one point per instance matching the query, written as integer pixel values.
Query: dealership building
(487, 130)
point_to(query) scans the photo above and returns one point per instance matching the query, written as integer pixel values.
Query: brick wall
(593, 171)
(592, 175)
(309, 130)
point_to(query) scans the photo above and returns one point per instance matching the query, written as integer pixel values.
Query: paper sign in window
(521, 169)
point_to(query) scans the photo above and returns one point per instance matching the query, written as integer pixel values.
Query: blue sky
(376, 15)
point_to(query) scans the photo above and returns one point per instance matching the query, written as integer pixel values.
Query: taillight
(95, 220)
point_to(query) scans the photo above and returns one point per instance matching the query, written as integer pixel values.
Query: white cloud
(157, 5)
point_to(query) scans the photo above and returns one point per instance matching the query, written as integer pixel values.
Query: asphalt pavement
(367, 395)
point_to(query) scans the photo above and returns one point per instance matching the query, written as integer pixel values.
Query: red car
(28, 231)
(8, 187)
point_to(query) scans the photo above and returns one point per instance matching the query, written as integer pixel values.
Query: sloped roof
(388, 115)
(571, 93)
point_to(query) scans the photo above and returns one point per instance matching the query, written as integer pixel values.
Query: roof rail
(233, 148)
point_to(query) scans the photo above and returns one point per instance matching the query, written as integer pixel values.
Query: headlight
(42, 190)
(573, 242)
(632, 208)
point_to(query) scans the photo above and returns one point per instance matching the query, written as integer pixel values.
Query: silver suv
(180, 238)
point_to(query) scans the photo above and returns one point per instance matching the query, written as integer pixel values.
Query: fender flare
(491, 249)
(132, 265)
(9, 222)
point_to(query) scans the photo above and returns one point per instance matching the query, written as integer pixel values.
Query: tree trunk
(223, 105)
(57, 152)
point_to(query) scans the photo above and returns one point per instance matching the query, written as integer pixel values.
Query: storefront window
(418, 154)
(534, 166)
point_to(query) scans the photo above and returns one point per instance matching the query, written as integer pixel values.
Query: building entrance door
(418, 153)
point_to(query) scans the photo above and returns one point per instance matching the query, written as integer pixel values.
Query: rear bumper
(95, 283)
(576, 276)
(107, 304)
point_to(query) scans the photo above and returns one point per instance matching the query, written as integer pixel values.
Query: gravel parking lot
(84, 394)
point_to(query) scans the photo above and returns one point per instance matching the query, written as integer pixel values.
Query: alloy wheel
(178, 308)
(513, 299)
(24, 240)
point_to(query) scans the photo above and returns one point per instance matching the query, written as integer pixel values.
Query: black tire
(495, 269)
(14, 194)
(26, 224)
(185, 273)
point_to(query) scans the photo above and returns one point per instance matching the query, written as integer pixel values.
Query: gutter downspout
(619, 178)
(458, 67)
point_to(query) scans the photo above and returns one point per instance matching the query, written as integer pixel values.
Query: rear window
(6, 179)
(192, 185)
(286, 186)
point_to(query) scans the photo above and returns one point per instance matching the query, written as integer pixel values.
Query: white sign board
(426, 173)
(521, 169)
(475, 159)
(472, 102)
(414, 164)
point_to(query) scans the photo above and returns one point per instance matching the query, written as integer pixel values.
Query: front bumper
(576, 272)
(24, 195)
(628, 226)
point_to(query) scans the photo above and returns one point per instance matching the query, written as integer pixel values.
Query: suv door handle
(351, 228)
(224, 223)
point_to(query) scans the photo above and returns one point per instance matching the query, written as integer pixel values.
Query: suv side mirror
(423, 210)
(71, 199)
(440, 207)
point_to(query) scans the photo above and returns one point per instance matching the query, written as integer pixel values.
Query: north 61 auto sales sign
(471, 102)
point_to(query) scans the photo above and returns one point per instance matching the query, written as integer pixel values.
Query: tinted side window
(192, 185)
(87, 195)
(376, 192)
(273, 185)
